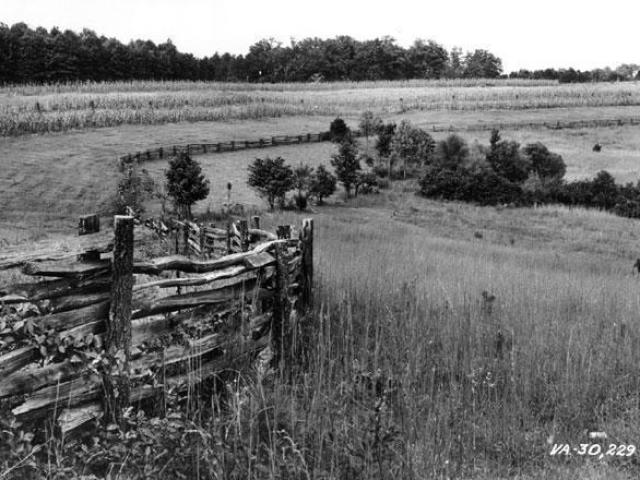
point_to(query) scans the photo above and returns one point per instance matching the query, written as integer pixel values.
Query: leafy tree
(482, 64)
(545, 164)
(505, 159)
(451, 152)
(302, 178)
(346, 164)
(323, 184)
(369, 125)
(338, 130)
(302, 175)
(455, 68)
(604, 190)
(271, 178)
(427, 60)
(412, 145)
(185, 183)
(385, 135)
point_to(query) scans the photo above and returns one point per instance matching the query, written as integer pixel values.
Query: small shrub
(543, 162)
(272, 179)
(134, 188)
(412, 146)
(366, 183)
(300, 200)
(346, 164)
(451, 152)
(185, 183)
(323, 184)
(505, 159)
(339, 130)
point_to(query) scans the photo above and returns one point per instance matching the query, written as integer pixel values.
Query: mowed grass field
(481, 388)
(49, 180)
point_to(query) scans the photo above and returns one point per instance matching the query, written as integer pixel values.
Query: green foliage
(338, 130)
(134, 188)
(545, 164)
(366, 182)
(385, 135)
(452, 152)
(505, 159)
(185, 183)
(323, 184)
(346, 164)
(411, 145)
(482, 64)
(302, 178)
(271, 179)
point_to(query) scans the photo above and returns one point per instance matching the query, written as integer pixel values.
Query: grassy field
(49, 180)
(478, 387)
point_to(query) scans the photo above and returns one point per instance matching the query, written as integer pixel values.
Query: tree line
(624, 72)
(49, 56)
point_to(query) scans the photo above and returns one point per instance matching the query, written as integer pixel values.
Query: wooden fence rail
(108, 331)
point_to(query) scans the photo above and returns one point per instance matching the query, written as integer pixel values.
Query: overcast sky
(524, 33)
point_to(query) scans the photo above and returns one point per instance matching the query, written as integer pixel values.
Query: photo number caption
(593, 450)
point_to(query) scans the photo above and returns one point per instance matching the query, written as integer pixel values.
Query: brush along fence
(101, 330)
(208, 241)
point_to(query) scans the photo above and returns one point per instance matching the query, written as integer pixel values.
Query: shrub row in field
(505, 173)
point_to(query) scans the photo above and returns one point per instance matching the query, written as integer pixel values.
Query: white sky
(524, 33)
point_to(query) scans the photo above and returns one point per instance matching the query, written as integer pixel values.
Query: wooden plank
(194, 299)
(260, 260)
(24, 292)
(72, 418)
(29, 380)
(194, 281)
(70, 393)
(12, 361)
(65, 268)
(72, 302)
(179, 262)
(74, 318)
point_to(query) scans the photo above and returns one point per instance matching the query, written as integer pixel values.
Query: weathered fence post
(243, 228)
(202, 242)
(256, 222)
(185, 239)
(306, 241)
(89, 224)
(118, 335)
(279, 314)
(161, 152)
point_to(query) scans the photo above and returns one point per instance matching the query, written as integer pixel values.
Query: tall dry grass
(432, 358)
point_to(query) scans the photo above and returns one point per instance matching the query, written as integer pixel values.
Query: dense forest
(48, 56)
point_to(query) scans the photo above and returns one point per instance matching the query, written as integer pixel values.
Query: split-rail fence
(111, 330)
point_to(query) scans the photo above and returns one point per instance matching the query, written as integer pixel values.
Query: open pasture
(49, 180)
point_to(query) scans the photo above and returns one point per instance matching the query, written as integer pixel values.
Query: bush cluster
(272, 179)
(505, 173)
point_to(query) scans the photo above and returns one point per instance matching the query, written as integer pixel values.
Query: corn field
(41, 109)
